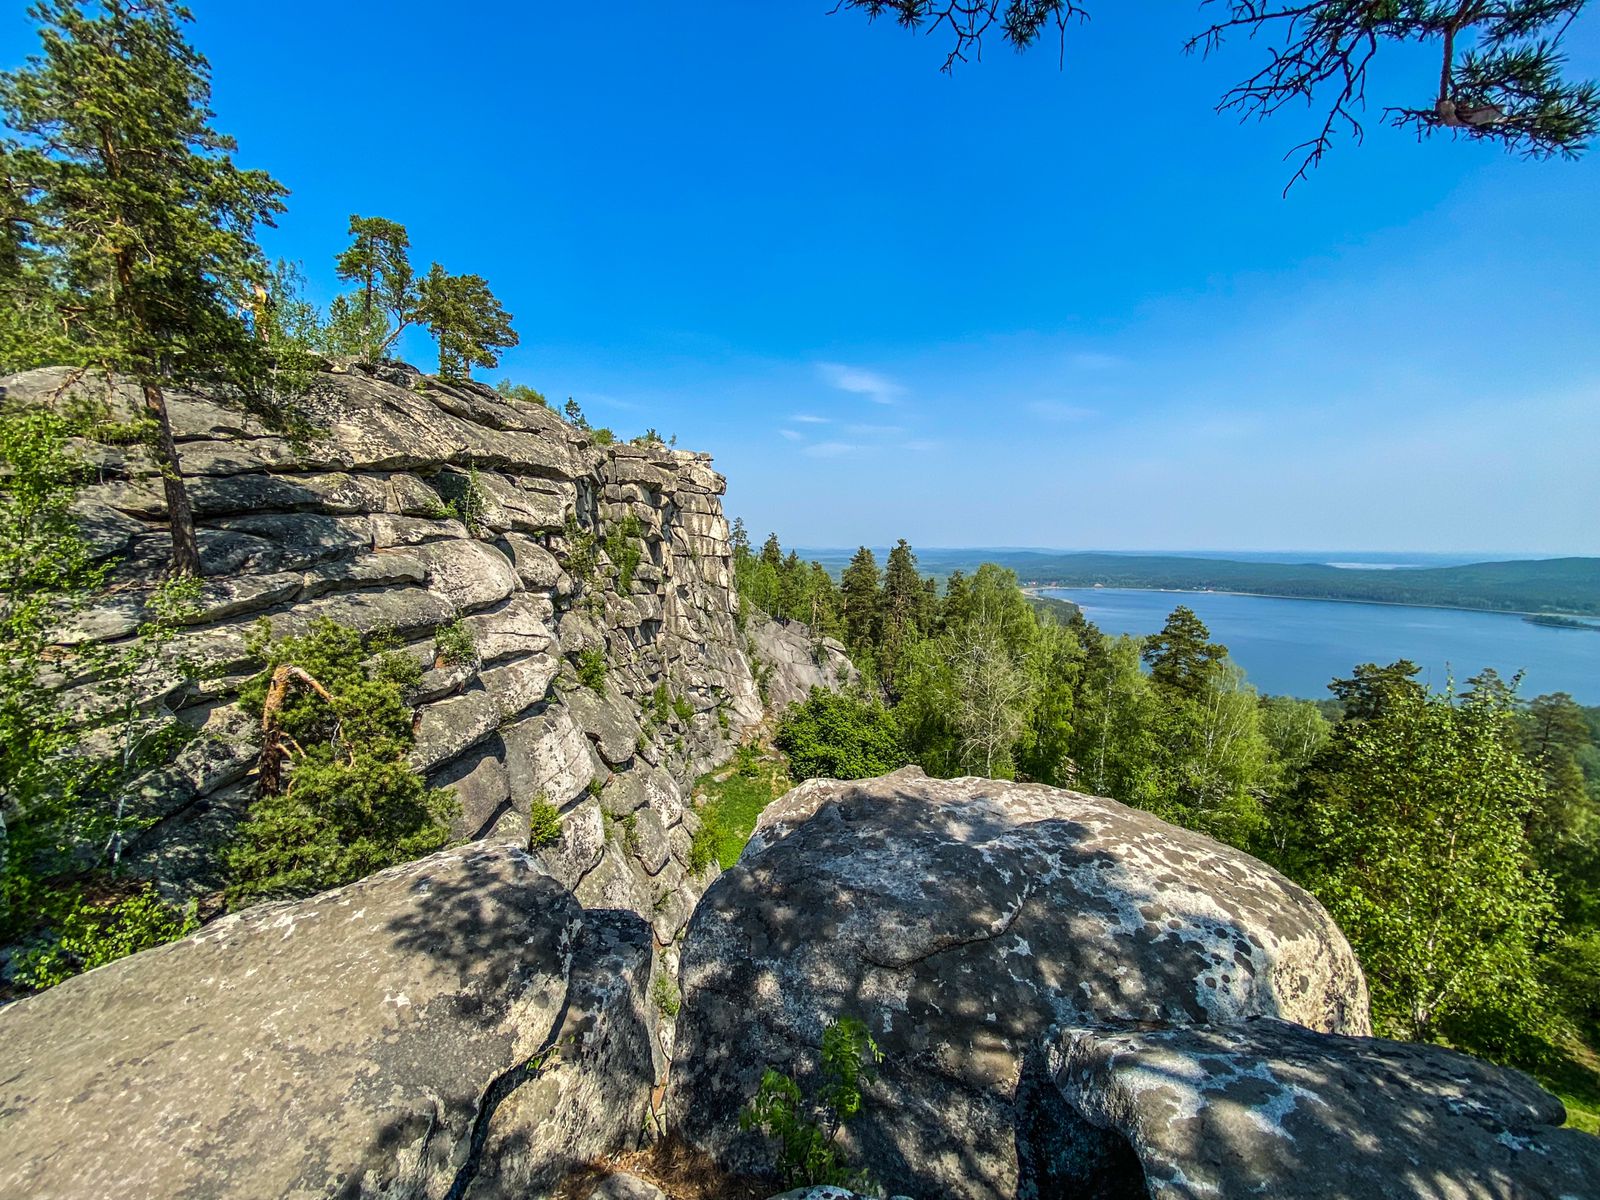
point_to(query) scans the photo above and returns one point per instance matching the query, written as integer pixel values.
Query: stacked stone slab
(362, 522)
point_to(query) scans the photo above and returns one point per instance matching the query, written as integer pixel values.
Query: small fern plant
(807, 1131)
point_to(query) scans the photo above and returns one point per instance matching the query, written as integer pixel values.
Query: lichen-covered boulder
(1269, 1108)
(341, 1045)
(963, 920)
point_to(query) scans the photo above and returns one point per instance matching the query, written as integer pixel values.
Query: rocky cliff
(413, 503)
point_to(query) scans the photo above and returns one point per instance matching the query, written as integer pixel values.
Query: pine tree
(772, 552)
(858, 586)
(1182, 655)
(379, 262)
(902, 603)
(465, 317)
(126, 203)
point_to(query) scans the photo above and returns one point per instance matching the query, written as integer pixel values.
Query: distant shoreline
(1036, 588)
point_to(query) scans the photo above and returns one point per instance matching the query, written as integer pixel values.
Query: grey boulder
(963, 920)
(345, 1044)
(1271, 1108)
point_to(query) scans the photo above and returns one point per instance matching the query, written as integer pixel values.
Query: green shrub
(834, 735)
(603, 437)
(462, 497)
(625, 550)
(807, 1131)
(91, 935)
(596, 786)
(630, 833)
(661, 700)
(521, 392)
(592, 667)
(544, 823)
(455, 645)
(580, 542)
(747, 760)
(353, 804)
(703, 848)
(683, 709)
(664, 991)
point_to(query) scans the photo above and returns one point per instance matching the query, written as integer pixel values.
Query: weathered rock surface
(790, 660)
(1271, 1108)
(342, 1045)
(362, 524)
(588, 1095)
(620, 1185)
(963, 920)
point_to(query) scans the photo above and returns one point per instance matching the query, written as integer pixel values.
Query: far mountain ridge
(1565, 585)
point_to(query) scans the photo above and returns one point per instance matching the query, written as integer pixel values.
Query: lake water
(1294, 647)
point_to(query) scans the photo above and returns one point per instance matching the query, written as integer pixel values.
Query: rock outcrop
(790, 660)
(415, 503)
(965, 920)
(454, 1023)
(1268, 1107)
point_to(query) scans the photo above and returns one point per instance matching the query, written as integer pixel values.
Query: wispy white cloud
(808, 419)
(1055, 410)
(791, 435)
(880, 389)
(830, 449)
(874, 430)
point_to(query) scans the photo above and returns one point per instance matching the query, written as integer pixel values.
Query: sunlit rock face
(964, 921)
(412, 503)
(790, 660)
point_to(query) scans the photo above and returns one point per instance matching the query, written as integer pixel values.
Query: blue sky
(1021, 305)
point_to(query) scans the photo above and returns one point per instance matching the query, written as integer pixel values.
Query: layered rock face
(790, 660)
(1061, 987)
(362, 523)
(454, 1026)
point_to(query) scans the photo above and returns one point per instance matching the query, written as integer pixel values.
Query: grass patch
(733, 803)
(1576, 1080)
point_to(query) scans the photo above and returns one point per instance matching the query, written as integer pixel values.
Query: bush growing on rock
(807, 1131)
(454, 645)
(92, 935)
(592, 667)
(625, 551)
(544, 823)
(353, 804)
(834, 735)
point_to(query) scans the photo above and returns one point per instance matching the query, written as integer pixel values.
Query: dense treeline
(1455, 835)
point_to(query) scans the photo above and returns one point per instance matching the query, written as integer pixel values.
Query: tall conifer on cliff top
(133, 219)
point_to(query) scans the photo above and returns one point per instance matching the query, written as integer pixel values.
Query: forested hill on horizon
(1567, 586)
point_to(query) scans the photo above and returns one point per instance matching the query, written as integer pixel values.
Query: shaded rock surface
(347, 1044)
(363, 523)
(1269, 1107)
(963, 920)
